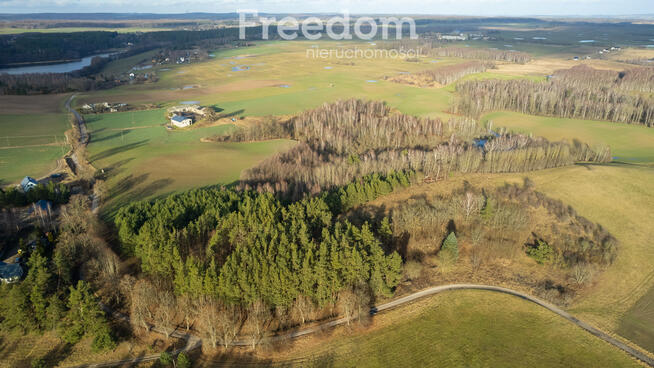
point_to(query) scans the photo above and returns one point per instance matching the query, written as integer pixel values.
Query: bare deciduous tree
(258, 317)
(303, 307)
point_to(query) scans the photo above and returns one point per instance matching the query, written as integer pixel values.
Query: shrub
(413, 270)
(542, 252)
(183, 361)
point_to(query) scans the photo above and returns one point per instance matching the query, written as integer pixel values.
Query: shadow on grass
(590, 165)
(120, 149)
(233, 113)
(57, 354)
(119, 134)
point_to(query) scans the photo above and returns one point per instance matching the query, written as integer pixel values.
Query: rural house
(181, 121)
(10, 272)
(28, 183)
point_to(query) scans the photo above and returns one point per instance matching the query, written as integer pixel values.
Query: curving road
(194, 342)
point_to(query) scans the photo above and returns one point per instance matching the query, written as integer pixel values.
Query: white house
(181, 121)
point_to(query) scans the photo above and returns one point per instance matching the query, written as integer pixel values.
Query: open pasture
(143, 159)
(284, 78)
(461, 329)
(30, 143)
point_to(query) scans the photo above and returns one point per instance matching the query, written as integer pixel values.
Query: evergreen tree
(449, 252)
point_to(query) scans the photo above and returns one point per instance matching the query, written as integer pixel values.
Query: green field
(468, 329)
(629, 143)
(281, 79)
(30, 144)
(142, 159)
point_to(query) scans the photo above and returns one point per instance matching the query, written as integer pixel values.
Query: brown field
(546, 66)
(39, 104)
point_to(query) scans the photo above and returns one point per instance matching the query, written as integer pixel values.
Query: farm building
(28, 183)
(181, 121)
(10, 272)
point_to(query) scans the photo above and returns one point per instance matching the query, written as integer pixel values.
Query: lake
(53, 68)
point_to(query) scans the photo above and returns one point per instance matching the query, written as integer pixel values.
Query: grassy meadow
(281, 79)
(143, 159)
(461, 329)
(31, 143)
(620, 197)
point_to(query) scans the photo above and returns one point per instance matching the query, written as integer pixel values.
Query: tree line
(346, 140)
(14, 197)
(443, 76)
(435, 49)
(554, 98)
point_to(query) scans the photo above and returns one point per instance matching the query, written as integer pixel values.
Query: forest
(57, 293)
(580, 93)
(223, 251)
(346, 140)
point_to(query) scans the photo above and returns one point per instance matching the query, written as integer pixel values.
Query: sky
(445, 7)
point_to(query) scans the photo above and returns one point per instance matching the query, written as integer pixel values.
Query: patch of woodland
(510, 235)
(583, 76)
(346, 140)
(255, 260)
(443, 76)
(436, 49)
(567, 96)
(66, 267)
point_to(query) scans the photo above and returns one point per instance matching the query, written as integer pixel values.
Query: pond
(53, 68)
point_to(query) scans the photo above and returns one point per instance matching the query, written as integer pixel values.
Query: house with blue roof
(28, 183)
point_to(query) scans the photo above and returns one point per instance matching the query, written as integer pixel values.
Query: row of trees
(554, 98)
(443, 76)
(346, 140)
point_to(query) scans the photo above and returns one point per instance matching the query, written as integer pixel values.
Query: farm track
(194, 342)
